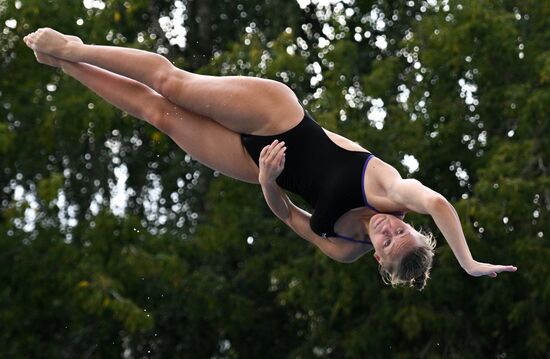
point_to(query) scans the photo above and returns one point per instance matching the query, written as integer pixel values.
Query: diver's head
(404, 254)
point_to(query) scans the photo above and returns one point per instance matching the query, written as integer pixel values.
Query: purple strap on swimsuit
(399, 213)
(367, 204)
(364, 199)
(363, 183)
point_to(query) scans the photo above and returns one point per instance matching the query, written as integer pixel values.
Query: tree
(194, 264)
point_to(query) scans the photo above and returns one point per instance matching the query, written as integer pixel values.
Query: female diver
(255, 130)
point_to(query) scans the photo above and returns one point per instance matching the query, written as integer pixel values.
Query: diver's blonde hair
(414, 267)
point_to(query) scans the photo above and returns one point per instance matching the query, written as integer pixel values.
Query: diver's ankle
(71, 51)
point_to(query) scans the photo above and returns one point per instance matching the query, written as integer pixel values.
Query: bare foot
(51, 42)
(29, 39)
(48, 59)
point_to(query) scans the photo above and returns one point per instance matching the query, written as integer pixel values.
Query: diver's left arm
(419, 198)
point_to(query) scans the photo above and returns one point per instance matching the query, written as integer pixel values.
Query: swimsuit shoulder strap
(366, 202)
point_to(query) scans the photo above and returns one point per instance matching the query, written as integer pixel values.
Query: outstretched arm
(422, 199)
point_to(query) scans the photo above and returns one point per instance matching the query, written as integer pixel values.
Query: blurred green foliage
(203, 269)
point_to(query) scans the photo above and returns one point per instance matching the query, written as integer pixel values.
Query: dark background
(114, 243)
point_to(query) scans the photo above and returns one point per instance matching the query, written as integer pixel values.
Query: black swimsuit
(327, 176)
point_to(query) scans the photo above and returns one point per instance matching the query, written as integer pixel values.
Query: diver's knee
(157, 114)
(171, 84)
(163, 74)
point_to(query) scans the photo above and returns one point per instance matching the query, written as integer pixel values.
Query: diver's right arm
(272, 163)
(298, 220)
(271, 166)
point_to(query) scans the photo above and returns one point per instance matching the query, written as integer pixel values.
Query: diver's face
(391, 238)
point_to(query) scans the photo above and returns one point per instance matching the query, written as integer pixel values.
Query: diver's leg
(204, 139)
(242, 104)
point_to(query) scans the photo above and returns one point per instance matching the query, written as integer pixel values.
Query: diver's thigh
(240, 103)
(208, 142)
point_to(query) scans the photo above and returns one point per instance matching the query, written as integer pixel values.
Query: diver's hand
(477, 269)
(272, 161)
